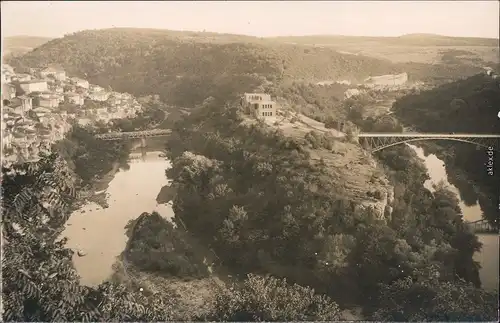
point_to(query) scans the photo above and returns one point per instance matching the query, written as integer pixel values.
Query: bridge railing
(133, 134)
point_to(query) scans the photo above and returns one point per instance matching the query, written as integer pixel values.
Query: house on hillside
(259, 105)
(33, 86)
(248, 97)
(263, 109)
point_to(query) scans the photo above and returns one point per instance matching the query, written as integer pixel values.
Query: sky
(256, 18)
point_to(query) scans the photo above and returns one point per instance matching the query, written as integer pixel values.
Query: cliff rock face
(381, 208)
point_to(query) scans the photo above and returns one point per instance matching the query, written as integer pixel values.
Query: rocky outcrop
(380, 207)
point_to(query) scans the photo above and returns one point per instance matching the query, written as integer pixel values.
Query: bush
(270, 299)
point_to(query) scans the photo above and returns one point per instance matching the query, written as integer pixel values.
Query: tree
(270, 299)
(40, 283)
(423, 296)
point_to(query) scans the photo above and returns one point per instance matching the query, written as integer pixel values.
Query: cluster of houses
(259, 105)
(39, 106)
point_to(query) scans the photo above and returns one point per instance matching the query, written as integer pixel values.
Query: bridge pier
(143, 142)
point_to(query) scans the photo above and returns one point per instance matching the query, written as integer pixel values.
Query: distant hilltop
(22, 44)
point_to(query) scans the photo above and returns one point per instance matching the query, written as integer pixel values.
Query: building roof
(33, 81)
(49, 97)
(42, 110)
(53, 69)
(72, 94)
(77, 79)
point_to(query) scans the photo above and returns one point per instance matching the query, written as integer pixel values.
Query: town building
(95, 88)
(7, 139)
(7, 68)
(48, 101)
(100, 96)
(35, 71)
(22, 77)
(58, 73)
(385, 81)
(56, 89)
(21, 105)
(75, 98)
(80, 82)
(33, 86)
(8, 91)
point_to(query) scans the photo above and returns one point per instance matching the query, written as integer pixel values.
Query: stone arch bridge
(135, 135)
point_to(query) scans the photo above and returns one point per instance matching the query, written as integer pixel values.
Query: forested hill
(466, 106)
(469, 105)
(186, 67)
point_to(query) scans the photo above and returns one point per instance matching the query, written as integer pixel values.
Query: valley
(238, 217)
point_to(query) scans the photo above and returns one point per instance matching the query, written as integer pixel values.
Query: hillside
(186, 67)
(289, 203)
(22, 44)
(418, 48)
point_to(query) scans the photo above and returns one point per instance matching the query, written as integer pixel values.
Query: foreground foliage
(429, 299)
(270, 299)
(39, 281)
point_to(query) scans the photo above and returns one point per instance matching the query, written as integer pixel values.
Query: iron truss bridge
(379, 141)
(134, 134)
(482, 226)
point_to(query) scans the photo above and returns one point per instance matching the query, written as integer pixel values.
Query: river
(488, 257)
(100, 232)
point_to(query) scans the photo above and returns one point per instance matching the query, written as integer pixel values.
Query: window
(263, 114)
(270, 114)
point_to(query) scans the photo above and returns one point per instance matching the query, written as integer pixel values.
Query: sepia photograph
(250, 161)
